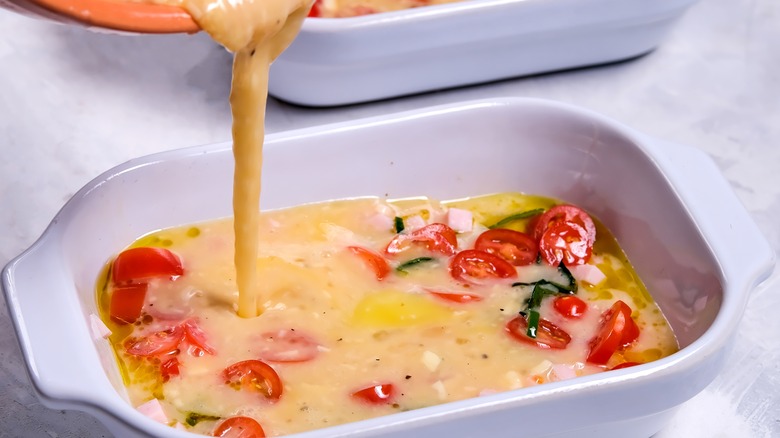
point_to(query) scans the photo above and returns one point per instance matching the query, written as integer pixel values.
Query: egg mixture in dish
(372, 308)
(354, 8)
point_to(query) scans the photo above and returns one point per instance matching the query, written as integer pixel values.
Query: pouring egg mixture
(373, 307)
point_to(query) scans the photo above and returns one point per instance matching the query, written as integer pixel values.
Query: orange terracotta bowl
(126, 16)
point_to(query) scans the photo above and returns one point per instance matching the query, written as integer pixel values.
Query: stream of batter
(256, 32)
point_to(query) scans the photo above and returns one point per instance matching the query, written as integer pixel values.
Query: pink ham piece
(587, 273)
(460, 220)
(562, 372)
(153, 409)
(414, 223)
(382, 222)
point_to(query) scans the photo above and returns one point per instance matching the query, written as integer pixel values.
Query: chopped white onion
(460, 220)
(440, 389)
(431, 360)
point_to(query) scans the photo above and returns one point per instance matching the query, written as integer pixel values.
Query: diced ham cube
(562, 372)
(382, 222)
(99, 329)
(588, 273)
(414, 222)
(460, 220)
(153, 409)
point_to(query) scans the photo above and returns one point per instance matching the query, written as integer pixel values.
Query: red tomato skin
(549, 335)
(255, 375)
(376, 394)
(471, 264)
(436, 237)
(169, 368)
(374, 261)
(156, 344)
(456, 297)
(617, 329)
(127, 302)
(315, 9)
(239, 427)
(565, 213)
(196, 336)
(631, 330)
(570, 306)
(288, 346)
(137, 264)
(517, 248)
(565, 242)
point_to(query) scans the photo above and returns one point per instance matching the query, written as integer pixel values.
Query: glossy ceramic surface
(337, 61)
(674, 214)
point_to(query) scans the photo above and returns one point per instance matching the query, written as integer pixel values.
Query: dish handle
(55, 338)
(744, 254)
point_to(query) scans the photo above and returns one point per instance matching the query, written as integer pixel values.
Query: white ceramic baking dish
(690, 240)
(337, 61)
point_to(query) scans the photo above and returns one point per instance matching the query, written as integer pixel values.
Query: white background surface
(74, 103)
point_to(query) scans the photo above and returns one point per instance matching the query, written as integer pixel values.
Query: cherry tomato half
(565, 213)
(436, 237)
(156, 344)
(471, 266)
(374, 261)
(239, 427)
(513, 246)
(376, 393)
(127, 303)
(287, 345)
(549, 335)
(197, 338)
(567, 242)
(136, 264)
(631, 330)
(254, 375)
(570, 306)
(617, 329)
(456, 297)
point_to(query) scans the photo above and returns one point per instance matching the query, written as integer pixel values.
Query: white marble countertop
(75, 103)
